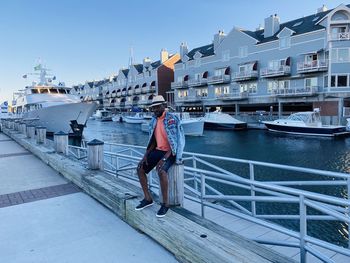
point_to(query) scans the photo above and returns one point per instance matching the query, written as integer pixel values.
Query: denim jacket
(174, 131)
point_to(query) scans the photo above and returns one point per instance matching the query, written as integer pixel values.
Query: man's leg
(163, 179)
(144, 184)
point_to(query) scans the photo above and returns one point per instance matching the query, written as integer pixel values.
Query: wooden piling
(61, 142)
(40, 135)
(175, 186)
(95, 154)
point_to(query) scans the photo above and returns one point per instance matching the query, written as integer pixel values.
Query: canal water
(259, 145)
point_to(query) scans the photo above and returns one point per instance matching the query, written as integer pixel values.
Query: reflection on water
(260, 145)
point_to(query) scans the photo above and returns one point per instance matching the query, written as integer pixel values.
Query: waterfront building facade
(283, 67)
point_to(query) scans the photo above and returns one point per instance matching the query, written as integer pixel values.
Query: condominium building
(282, 67)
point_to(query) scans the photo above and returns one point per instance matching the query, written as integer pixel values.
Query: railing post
(348, 209)
(194, 161)
(202, 194)
(175, 185)
(23, 128)
(252, 188)
(303, 228)
(31, 132)
(40, 135)
(95, 154)
(61, 142)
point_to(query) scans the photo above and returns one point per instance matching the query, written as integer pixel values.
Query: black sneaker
(162, 211)
(143, 204)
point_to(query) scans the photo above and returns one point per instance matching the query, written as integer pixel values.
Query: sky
(84, 40)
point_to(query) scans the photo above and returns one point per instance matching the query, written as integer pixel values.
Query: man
(165, 147)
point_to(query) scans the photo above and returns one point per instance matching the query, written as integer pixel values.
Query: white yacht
(222, 121)
(305, 123)
(138, 118)
(52, 106)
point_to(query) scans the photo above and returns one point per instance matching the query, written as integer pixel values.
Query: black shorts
(154, 157)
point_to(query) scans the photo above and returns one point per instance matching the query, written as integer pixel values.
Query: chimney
(322, 9)
(183, 50)
(164, 55)
(218, 38)
(272, 25)
(146, 62)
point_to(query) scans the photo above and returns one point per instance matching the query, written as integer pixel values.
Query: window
(310, 82)
(248, 87)
(243, 52)
(272, 86)
(340, 55)
(226, 55)
(284, 42)
(297, 23)
(332, 81)
(202, 92)
(197, 62)
(219, 72)
(179, 79)
(197, 76)
(342, 81)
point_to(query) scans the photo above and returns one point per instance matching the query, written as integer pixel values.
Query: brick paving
(14, 154)
(37, 194)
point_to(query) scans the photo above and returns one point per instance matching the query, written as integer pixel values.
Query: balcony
(144, 90)
(179, 84)
(119, 94)
(340, 36)
(312, 66)
(130, 92)
(245, 75)
(124, 93)
(137, 91)
(188, 99)
(198, 82)
(220, 79)
(152, 89)
(301, 92)
(234, 96)
(271, 73)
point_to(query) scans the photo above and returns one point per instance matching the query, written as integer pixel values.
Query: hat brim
(157, 103)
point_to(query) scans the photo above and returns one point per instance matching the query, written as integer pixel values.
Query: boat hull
(311, 131)
(69, 118)
(193, 127)
(224, 126)
(133, 120)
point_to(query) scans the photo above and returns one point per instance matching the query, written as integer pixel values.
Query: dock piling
(175, 186)
(61, 142)
(31, 132)
(40, 135)
(95, 154)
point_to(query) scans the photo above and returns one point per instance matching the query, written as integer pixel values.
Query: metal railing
(341, 36)
(223, 78)
(241, 187)
(245, 75)
(311, 66)
(269, 72)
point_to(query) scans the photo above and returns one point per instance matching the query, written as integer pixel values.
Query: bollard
(23, 128)
(61, 142)
(175, 185)
(31, 131)
(11, 124)
(40, 135)
(16, 125)
(95, 154)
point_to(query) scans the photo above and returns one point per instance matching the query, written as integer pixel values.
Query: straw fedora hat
(157, 100)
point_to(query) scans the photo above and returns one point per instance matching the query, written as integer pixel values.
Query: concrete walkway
(46, 219)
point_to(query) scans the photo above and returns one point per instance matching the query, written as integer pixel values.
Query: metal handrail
(198, 182)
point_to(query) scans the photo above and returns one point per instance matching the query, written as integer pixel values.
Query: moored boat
(52, 106)
(222, 121)
(138, 118)
(305, 123)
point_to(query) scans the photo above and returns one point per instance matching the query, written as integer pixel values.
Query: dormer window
(243, 52)
(226, 55)
(284, 42)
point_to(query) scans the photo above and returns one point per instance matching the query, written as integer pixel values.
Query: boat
(306, 123)
(103, 115)
(222, 121)
(138, 118)
(52, 106)
(191, 126)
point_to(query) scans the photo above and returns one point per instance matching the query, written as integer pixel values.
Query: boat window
(44, 91)
(34, 91)
(68, 91)
(53, 91)
(62, 91)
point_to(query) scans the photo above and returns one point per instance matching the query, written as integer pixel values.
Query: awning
(312, 52)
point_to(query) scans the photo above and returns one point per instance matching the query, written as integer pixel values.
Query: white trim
(285, 29)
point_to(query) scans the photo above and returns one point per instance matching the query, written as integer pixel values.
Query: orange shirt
(160, 135)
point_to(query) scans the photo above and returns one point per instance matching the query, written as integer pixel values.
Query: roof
(139, 68)
(156, 64)
(299, 26)
(125, 72)
(206, 51)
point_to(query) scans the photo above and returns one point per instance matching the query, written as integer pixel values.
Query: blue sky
(90, 39)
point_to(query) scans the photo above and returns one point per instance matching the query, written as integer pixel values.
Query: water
(259, 145)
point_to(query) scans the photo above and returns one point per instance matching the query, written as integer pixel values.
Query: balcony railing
(179, 84)
(219, 79)
(119, 94)
(137, 91)
(312, 66)
(192, 98)
(307, 91)
(152, 89)
(233, 96)
(245, 75)
(123, 93)
(130, 92)
(269, 73)
(198, 82)
(341, 36)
